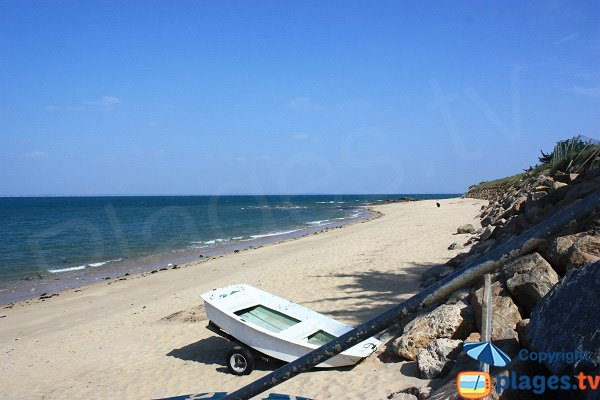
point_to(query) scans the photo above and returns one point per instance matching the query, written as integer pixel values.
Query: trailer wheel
(240, 361)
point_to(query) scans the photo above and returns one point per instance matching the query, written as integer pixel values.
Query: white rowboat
(277, 327)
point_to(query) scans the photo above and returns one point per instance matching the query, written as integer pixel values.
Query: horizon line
(229, 194)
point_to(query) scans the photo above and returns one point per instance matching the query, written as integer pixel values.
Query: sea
(48, 244)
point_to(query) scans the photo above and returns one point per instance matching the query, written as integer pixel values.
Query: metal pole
(515, 247)
(486, 315)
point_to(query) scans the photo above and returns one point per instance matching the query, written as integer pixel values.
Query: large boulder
(566, 321)
(467, 228)
(528, 279)
(505, 316)
(585, 250)
(438, 357)
(558, 251)
(450, 321)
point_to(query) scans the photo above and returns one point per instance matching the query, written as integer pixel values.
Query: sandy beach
(145, 337)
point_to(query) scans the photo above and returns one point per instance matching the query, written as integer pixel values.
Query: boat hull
(275, 345)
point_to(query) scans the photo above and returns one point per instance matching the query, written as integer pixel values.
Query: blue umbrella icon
(487, 352)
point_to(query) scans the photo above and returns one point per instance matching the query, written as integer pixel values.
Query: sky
(286, 97)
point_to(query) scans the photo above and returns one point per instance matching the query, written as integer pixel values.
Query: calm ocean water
(49, 243)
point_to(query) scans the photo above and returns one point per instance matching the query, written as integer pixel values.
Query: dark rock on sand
(466, 228)
(455, 246)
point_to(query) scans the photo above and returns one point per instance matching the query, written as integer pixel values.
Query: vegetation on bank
(570, 156)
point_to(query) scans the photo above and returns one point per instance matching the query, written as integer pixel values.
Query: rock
(585, 250)
(483, 246)
(572, 177)
(562, 177)
(519, 204)
(402, 396)
(558, 251)
(45, 296)
(446, 392)
(459, 260)
(451, 321)
(534, 213)
(417, 392)
(590, 224)
(580, 190)
(461, 295)
(438, 357)
(471, 240)
(521, 327)
(528, 279)
(487, 232)
(505, 316)
(473, 337)
(508, 201)
(499, 222)
(558, 185)
(486, 221)
(455, 246)
(520, 368)
(467, 228)
(566, 320)
(535, 196)
(434, 274)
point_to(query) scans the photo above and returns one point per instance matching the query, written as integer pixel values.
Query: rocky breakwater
(545, 301)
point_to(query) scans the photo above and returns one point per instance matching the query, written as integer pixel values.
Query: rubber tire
(239, 351)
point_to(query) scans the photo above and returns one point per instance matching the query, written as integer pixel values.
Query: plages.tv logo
(478, 384)
(473, 384)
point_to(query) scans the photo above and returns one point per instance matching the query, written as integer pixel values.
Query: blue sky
(198, 97)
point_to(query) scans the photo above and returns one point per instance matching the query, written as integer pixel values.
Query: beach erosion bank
(145, 337)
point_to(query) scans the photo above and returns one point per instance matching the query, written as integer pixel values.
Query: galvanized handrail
(513, 248)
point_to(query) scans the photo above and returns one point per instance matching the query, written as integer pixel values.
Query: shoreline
(60, 347)
(27, 289)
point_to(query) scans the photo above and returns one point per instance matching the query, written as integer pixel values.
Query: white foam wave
(56, 271)
(98, 264)
(318, 222)
(273, 234)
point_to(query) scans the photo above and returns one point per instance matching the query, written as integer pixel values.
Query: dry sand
(145, 337)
